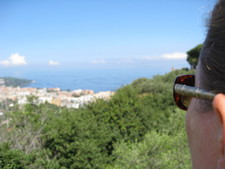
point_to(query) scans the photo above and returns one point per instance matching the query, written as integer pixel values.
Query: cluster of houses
(69, 99)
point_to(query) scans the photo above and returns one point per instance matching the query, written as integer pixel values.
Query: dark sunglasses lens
(188, 80)
(184, 101)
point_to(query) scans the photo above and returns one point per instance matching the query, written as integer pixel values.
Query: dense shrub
(139, 127)
(155, 151)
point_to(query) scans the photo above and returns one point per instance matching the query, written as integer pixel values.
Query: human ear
(219, 108)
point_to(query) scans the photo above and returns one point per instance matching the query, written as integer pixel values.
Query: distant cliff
(14, 82)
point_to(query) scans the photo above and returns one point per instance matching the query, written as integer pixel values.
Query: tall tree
(193, 55)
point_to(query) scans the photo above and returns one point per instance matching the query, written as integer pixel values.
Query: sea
(97, 80)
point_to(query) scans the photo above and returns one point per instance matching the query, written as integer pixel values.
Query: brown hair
(211, 67)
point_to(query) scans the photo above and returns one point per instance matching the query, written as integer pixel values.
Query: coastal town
(70, 99)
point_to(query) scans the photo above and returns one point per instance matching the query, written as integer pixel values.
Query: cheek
(202, 131)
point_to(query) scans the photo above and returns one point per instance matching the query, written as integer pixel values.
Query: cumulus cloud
(14, 60)
(98, 61)
(176, 55)
(150, 58)
(5, 62)
(53, 63)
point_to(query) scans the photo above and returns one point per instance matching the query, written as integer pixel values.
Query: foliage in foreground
(139, 127)
(157, 150)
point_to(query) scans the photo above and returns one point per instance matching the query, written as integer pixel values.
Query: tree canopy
(193, 55)
(139, 127)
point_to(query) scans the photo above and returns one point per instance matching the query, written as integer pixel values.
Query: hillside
(139, 127)
(14, 82)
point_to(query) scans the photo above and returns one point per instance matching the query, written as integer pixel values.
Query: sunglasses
(184, 90)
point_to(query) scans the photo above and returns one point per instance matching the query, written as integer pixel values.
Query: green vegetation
(193, 55)
(14, 82)
(138, 128)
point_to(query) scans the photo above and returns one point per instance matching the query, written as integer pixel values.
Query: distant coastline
(14, 82)
(97, 80)
(94, 79)
(56, 96)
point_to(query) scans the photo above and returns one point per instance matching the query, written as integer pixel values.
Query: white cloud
(98, 61)
(5, 62)
(176, 55)
(53, 63)
(150, 58)
(14, 60)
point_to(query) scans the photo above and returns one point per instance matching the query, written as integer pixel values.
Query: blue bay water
(95, 79)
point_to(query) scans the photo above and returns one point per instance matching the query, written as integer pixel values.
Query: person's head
(205, 119)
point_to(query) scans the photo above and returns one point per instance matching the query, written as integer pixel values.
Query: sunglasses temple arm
(193, 92)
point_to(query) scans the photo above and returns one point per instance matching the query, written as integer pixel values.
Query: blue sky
(70, 34)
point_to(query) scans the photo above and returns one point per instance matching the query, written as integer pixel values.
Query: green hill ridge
(139, 127)
(14, 82)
